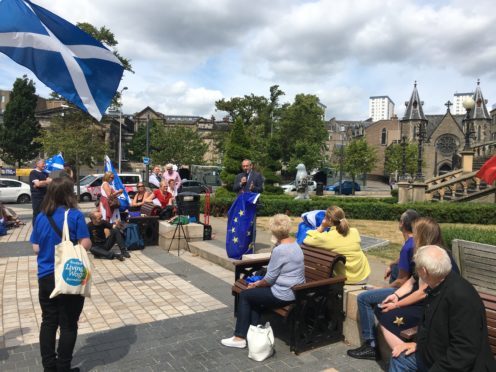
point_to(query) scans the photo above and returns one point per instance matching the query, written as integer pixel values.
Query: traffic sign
(146, 160)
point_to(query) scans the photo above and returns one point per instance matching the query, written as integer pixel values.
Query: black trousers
(62, 311)
(36, 204)
(105, 249)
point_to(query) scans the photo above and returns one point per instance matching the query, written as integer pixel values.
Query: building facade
(458, 99)
(381, 108)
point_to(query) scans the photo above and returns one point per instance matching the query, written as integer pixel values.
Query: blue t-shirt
(405, 262)
(45, 236)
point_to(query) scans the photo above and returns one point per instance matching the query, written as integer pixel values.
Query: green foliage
(471, 234)
(176, 145)
(301, 133)
(394, 158)
(20, 127)
(78, 136)
(359, 158)
(237, 149)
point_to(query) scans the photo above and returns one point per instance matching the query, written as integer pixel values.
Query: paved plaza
(153, 312)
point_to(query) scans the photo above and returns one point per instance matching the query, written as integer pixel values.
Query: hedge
(366, 208)
(473, 234)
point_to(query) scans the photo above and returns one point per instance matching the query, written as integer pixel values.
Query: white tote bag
(72, 267)
(260, 342)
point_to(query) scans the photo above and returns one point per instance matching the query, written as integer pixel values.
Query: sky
(188, 54)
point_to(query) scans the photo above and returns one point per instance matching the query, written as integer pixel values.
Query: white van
(91, 184)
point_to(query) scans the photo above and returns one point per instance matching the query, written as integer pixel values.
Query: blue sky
(188, 54)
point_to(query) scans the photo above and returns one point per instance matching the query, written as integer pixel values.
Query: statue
(301, 182)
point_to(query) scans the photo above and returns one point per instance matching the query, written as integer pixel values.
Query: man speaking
(248, 180)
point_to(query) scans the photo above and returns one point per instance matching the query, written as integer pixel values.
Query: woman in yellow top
(344, 240)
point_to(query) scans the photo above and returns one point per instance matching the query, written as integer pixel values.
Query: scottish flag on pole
(65, 58)
(54, 163)
(118, 185)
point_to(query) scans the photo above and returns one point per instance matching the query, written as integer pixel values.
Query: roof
(414, 109)
(480, 109)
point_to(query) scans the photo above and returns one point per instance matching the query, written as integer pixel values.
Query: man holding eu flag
(241, 222)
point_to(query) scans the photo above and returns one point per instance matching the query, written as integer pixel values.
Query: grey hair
(280, 226)
(434, 260)
(407, 219)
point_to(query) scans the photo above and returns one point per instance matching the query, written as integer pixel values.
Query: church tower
(480, 118)
(414, 115)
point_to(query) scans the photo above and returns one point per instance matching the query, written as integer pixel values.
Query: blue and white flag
(118, 185)
(54, 163)
(241, 227)
(61, 55)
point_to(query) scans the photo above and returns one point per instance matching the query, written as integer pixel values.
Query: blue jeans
(252, 302)
(366, 302)
(406, 363)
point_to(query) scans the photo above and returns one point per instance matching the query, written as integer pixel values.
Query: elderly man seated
(104, 236)
(452, 335)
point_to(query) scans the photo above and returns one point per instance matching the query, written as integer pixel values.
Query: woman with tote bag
(62, 311)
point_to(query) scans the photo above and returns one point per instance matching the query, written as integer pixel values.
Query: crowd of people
(425, 289)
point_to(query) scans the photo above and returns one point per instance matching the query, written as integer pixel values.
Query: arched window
(384, 136)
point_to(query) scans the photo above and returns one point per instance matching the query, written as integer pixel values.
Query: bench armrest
(249, 263)
(319, 283)
(409, 334)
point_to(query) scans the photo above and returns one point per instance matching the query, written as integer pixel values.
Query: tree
(301, 132)
(77, 136)
(137, 146)
(20, 126)
(359, 158)
(393, 161)
(237, 149)
(177, 145)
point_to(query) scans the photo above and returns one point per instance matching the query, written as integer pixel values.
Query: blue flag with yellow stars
(241, 225)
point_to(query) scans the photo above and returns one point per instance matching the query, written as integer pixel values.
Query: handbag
(72, 265)
(260, 340)
(113, 202)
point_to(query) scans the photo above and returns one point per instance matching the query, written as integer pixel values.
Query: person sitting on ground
(367, 300)
(343, 240)
(452, 334)
(285, 270)
(404, 308)
(104, 236)
(109, 213)
(9, 217)
(142, 196)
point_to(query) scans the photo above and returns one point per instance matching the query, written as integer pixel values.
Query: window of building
(384, 136)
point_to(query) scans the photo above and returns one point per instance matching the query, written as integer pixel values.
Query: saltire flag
(241, 225)
(117, 184)
(54, 163)
(61, 55)
(487, 173)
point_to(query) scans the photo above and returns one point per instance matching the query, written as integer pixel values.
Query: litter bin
(188, 204)
(320, 189)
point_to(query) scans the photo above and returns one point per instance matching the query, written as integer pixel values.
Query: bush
(474, 234)
(366, 208)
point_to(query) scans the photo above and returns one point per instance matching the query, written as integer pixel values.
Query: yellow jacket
(357, 267)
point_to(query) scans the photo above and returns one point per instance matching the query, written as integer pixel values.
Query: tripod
(178, 230)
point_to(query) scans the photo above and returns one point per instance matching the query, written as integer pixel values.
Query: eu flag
(241, 225)
(61, 55)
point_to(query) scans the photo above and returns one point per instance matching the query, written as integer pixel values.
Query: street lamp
(421, 137)
(120, 129)
(341, 159)
(403, 158)
(468, 105)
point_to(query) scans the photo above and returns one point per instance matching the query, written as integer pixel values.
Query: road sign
(146, 160)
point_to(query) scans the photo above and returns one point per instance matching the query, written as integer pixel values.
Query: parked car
(193, 186)
(91, 184)
(13, 191)
(346, 187)
(312, 186)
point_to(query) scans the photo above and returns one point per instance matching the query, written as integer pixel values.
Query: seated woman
(172, 187)
(286, 269)
(343, 240)
(404, 308)
(161, 196)
(142, 196)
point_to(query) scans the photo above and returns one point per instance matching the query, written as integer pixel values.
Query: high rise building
(458, 99)
(381, 107)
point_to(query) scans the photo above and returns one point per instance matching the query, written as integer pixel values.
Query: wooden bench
(316, 317)
(476, 262)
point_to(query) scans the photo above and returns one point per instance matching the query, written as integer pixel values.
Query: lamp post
(341, 160)
(403, 158)
(147, 171)
(120, 129)
(468, 105)
(421, 136)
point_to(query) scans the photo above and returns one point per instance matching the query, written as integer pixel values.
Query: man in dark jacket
(104, 236)
(248, 180)
(452, 335)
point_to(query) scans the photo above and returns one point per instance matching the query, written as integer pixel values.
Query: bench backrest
(320, 263)
(490, 305)
(476, 262)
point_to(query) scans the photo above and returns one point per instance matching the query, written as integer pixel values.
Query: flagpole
(147, 149)
(120, 129)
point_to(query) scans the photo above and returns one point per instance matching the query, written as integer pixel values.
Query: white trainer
(231, 342)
